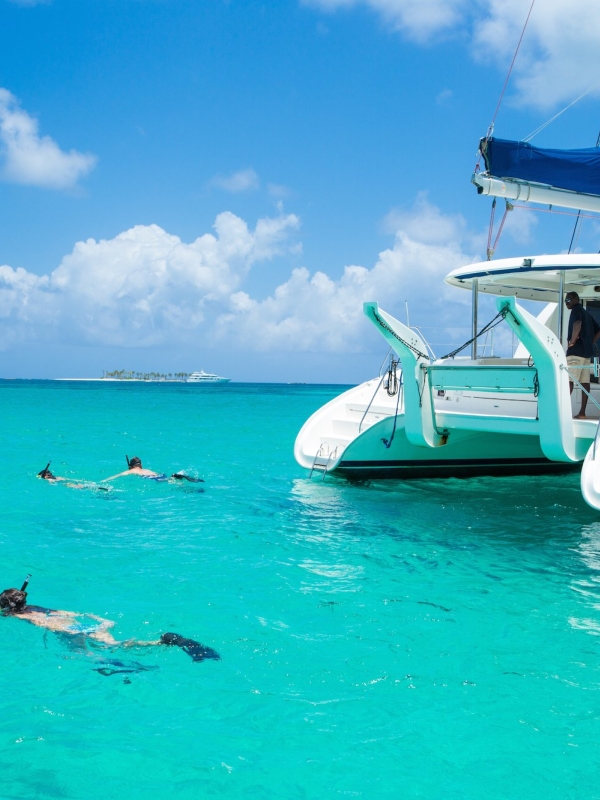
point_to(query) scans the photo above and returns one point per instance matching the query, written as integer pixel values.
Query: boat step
(360, 408)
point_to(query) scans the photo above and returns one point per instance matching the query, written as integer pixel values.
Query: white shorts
(579, 367)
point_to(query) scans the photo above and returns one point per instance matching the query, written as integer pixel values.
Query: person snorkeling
(135, 467)
(46, 475)
(13, 603)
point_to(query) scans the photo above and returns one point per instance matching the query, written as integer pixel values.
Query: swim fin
(181, 476)
(197, 651)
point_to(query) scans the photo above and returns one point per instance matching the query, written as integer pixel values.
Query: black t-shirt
(583, 347)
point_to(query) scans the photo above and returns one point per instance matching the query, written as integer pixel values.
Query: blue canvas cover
(577, 170)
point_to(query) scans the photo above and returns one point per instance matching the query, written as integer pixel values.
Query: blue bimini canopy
(575, 170)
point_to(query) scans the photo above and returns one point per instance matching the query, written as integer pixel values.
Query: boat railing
(367, 409)
(590, 397)
(425, 342)
(323, 458)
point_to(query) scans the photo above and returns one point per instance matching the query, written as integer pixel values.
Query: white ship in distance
(206, 377)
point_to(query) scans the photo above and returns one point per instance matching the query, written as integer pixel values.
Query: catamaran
(480, 415)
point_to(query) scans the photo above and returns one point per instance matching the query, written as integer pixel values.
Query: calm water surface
(436, 639)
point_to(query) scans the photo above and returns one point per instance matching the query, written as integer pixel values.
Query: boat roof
(533, 277)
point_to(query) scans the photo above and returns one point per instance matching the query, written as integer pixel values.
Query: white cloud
(560, 55)
(520, 224)
(245, 180)
(146, 287)
(418, 19)
(278, 190)
(314, 312)
(444, 97)
(425, 222)
(140, 288)
(33, 159)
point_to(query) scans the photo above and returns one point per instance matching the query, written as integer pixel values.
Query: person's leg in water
(106, 638)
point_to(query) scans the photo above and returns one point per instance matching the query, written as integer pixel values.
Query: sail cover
(575, 170)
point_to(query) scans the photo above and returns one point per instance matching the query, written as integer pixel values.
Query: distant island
(197, 378)
(124, 375)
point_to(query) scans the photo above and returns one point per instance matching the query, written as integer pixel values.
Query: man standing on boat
(582, 334)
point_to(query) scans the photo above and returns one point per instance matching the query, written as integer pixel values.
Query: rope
(578, 221)
(491, 324)
(491, 228)
(575, 235)
(552, 211)
(512, 63)
(386, 327)
(392, 384)
(510, 70)
(388, 442)
(492, 249)
(556, 116)
(371, 402)
(574, 380)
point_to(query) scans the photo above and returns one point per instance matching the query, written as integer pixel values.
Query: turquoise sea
(434, 639)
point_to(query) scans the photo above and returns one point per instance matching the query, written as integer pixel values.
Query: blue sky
(221, 184)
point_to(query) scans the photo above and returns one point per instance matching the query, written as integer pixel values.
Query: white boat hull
(208, 380)
(351, 436)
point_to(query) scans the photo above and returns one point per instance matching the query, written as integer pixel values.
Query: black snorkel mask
(45, 473)
(9, 605)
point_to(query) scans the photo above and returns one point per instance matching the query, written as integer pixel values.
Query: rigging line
(552, 211)
(490, 130)
(491, 249)
(491, 228)
(576, 232)
(491, 324)
(556, 116)
(510, 71)
(386, 327)
(388, 442)
(579, 220)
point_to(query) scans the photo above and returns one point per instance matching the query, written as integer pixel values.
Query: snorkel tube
(45, 473)
(11, 600)
(128, 464)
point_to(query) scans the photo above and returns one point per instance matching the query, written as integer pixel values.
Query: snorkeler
(134, 467)
(13, 603)
(46, 475)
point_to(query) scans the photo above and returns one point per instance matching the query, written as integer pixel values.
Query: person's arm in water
(133, 471)
(119, 475)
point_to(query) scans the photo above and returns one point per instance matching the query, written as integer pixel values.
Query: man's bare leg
(584, 399)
